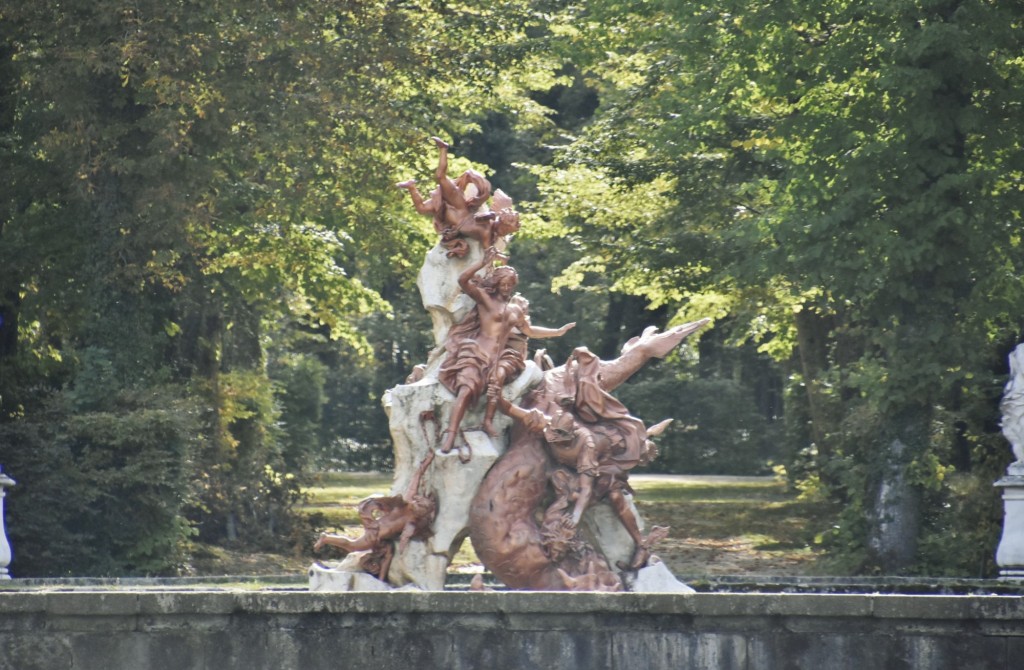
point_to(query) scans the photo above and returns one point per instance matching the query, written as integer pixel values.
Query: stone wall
(222, 630)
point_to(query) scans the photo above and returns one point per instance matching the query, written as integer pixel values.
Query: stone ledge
(221, 602)
(241, 629)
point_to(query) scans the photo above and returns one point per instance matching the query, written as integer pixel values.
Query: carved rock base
(323, 578)
(418, 412)
(655, 578)
(420, 567)
(602, 528)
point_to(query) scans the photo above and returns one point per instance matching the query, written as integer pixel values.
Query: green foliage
(354, 431)
(203, 194)
(199, 197)
(842, 180)
(101, 489)
(300, 394)
(962, 525)
(716, 427)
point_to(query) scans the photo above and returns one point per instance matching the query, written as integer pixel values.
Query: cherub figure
(459, 207)
(489, 228)
(488, 347)
(385, 518)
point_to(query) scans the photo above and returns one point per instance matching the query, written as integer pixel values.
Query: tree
(843, 180)
(186, 182)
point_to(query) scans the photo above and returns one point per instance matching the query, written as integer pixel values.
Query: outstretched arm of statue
(422, 207)
(368, 541)
(540, 332)
(583, 497)
(534, 419)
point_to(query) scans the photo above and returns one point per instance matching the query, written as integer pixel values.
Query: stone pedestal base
(1010, 554)
(345, 576)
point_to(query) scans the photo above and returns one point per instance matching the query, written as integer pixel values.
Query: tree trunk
(812, 332)
(895, 512)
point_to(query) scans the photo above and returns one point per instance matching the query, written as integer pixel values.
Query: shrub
(100, 491)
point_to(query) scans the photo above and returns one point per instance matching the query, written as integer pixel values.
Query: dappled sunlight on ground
(700, 556)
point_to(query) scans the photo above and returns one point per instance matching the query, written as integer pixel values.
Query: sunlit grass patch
(343, 487)
(732, 526)
(334, 516)
(658, 490)
(335, 496)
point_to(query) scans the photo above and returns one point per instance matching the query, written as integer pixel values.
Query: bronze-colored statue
(385, 518)
(593, 577)
(599, 457)
(573, 438)
(487, 349)
(458, 207)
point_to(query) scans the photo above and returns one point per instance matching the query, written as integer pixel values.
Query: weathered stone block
(818, 651)
(680, 650)
(932, 607)
(948, 653)
(184, 603)
(35, 651)
(399, 650)
(575, 631)
(534, 649)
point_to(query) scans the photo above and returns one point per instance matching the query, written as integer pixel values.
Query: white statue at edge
(1012, 406)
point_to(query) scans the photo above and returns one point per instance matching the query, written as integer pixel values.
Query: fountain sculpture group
(529, 460)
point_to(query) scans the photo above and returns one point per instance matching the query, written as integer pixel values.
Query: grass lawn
(726, 526)
(720, 525)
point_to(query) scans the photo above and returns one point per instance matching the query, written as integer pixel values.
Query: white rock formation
(344, 576)
(655, 578)
(603, 530)
(418, 413)
(438, 282)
